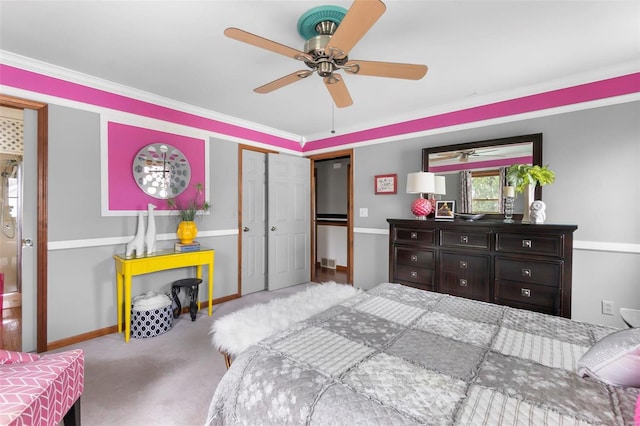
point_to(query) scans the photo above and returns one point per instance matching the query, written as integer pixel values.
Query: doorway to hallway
(332, 216)
(323, 275)
(11, 154)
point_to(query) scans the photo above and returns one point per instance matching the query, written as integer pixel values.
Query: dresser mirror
(482, 164)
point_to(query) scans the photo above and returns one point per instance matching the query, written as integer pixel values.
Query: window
(485, 191)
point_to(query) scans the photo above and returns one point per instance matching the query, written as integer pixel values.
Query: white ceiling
(477, 52)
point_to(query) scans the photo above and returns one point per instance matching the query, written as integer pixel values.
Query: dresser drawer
(543, 297)
(464, 275)
(534, 272)
(478, 240)
(531, 244)
(415, 258)
(415, 236)
(415, 275)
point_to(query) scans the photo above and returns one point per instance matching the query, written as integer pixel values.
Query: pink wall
(124, 142)
(623, 85)
(27, 80)
(473, 165)
(556, 98)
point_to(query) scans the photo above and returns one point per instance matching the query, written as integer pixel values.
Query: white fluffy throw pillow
(614, 360)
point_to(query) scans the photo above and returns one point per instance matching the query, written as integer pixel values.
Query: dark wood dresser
(522, 265)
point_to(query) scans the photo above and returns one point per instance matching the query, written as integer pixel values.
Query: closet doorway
(332, 217)
(274, 220)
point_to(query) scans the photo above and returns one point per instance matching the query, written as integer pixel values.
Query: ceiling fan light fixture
(325, 68)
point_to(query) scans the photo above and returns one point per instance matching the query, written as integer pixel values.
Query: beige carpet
(163, 380)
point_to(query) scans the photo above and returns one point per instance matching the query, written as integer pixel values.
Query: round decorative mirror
(161, 170)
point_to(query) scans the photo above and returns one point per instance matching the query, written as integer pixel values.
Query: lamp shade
(421, 183)
(441, 185)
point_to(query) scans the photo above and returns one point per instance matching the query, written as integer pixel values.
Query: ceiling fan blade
(386, 69)
(338, 91)
(359, 19)
(263, 43)
(447, 156)
(283, 81)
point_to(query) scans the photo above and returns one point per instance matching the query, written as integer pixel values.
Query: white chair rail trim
(110, 241)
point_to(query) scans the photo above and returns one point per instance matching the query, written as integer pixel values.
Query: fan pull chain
(333, 119)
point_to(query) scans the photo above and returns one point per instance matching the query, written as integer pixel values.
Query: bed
(396, 355)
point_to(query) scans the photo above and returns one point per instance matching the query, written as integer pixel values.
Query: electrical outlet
(364, 212)
(607, 307)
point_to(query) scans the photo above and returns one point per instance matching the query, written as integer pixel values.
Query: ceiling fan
(464, 155)
(331, 33)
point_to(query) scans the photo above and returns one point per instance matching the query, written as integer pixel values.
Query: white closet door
(254, 271)
(288, 220)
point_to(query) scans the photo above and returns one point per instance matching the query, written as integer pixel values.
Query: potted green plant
(187, 229)
(524, 178)
(521, 175)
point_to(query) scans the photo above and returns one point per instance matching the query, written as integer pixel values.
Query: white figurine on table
(536, 211)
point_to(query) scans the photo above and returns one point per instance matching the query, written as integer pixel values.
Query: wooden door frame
(42, 211)
(328, 156)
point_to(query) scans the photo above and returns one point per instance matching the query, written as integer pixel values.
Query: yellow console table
(162, 260)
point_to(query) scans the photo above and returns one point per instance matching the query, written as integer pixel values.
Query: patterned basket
(151, 323)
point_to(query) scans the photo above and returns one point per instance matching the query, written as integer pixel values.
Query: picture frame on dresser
(445, 210)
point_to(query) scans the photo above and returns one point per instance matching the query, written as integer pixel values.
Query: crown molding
(478, 100)
(54, 71)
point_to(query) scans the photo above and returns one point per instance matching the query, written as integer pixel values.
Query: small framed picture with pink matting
(386, 184)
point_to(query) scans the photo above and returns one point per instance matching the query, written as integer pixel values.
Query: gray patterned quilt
(395, 355)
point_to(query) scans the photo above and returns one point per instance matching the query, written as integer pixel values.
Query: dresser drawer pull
(526, 243)
(414, 257)
(464, 239)
(413, 274)
(414, 235)
(463, 283)
(463, 264)
(525, 292)
(526, 272)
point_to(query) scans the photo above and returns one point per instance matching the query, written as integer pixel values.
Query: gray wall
(81, 281)
(596, 156)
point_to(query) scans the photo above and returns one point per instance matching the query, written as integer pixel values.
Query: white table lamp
(441, 185)
(421, 183)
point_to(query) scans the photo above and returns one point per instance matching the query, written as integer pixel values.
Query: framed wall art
(386, 184)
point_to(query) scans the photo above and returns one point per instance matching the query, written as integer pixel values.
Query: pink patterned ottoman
(41, 389)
